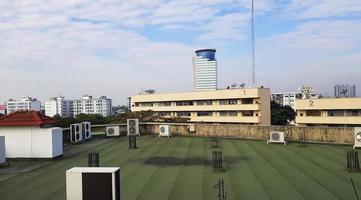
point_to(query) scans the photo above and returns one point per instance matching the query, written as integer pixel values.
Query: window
(228, 113)
(181, 114)
(247, 113)
(184, 103)
(352, 113)
(201, 114)
(332, 113)
(146, 104)
(247, 101)
(166, 103)
(203, 103)
(223, 113)
(313, 113)
(228, 102)
(163, 114)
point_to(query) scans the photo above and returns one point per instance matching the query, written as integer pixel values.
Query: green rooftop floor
(178, 168)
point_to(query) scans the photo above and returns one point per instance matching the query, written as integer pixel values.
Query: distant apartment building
(88, 105)
(289, 98)
(329, 112)
(25, 103)
(59, 106)
(3, 109)
(344, 90)
(247, 106)
(72, 108)
(205, 70)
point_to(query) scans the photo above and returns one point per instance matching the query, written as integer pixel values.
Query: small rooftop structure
(27, 118)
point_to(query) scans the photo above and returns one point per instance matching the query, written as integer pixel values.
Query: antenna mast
(253, 66)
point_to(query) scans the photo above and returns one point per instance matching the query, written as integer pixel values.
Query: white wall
(32, 142)
(57, 140)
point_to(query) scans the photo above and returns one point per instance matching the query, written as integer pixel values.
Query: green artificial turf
(179, 168)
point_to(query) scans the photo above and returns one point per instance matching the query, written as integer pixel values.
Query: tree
(146, 116)
(281, 115)
(65, 122)
(93, 118)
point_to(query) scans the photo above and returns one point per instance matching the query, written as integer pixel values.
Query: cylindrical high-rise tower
(205, 70)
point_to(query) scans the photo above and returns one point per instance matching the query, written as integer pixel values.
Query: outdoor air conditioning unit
(2, 150)
(357, 137)
(76, 133)
(93, 183)
(164, 130)
(112, 131)
(277, 137)
(133, 126)
(192, 128)
(86, 130)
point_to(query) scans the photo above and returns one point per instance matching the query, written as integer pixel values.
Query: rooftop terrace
(180, 168)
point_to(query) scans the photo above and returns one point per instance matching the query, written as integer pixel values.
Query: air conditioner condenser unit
(277, 137)
(357, 137)
(88, 183)
(112, 131)
(76, 133)
(164, 131)
(133, 127)
(86, 130)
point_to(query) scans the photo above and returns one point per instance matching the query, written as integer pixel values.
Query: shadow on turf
(175, 161)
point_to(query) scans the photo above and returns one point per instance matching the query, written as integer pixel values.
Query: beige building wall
(329, 112)
(248, 106)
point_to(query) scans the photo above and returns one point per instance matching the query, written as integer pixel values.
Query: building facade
(329, 112)
(205, 70)
(247, 106)
(344, 90)
(289, 98)
(88, 105)
(59, 106)
(25, 103)
(3, 109)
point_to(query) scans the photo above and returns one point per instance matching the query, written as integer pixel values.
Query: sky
(117, 48)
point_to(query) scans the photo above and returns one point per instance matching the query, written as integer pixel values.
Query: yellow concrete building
(247, 106)
(329, 112)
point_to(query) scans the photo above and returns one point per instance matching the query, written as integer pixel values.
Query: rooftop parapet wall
(301, 134)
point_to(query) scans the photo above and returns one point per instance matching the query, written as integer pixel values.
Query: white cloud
(51, 47)
(323, 8)
(320, 37)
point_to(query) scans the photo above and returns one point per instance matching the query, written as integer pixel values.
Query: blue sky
(118, 47)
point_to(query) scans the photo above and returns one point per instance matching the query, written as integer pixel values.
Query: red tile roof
(26, 118)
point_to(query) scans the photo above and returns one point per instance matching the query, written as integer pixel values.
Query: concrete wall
(302, 134)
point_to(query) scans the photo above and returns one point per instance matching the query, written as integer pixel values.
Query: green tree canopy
(281, 115)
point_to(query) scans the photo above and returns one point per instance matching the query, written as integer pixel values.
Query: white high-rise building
(88, 105)
(345, 90)
(25, 103)
(59, 106)
(205, 70)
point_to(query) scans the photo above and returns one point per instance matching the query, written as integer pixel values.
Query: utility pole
(253, 66)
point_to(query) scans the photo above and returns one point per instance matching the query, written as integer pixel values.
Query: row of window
(331, 113)
(198, 103)
(209, 113)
